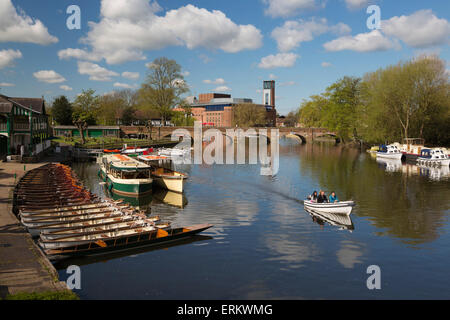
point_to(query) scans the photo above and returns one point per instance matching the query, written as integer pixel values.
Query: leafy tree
(249, 115)
(62, 111)
(86, 108)
(163, 88)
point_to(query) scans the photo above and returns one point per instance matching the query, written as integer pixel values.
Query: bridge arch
(296, 136)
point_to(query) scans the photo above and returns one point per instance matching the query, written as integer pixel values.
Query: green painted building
(91, 131)
(24, 128)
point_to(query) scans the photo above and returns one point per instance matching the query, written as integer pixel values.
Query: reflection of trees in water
(406, 207)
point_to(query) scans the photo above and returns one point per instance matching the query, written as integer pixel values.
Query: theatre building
(216, 109)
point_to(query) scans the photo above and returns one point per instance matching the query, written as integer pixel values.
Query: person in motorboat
(322, 198)
(313, 196)
(333, 197)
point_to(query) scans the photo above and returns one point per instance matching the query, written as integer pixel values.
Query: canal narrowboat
(341, 207)
(164, 177)
(125, 175)
(120, 241)
(433, 157)
(391, 152)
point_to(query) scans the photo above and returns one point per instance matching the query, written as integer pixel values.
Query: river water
(264, 245)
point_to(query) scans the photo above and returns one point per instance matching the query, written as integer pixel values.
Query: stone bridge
(301, 134)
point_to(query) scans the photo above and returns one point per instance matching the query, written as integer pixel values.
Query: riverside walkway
(23, 266)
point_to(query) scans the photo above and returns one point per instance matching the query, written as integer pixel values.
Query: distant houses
(24, 127)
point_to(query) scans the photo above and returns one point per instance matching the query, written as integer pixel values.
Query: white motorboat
(390, 152)
(433, 157)
(341, 207)
(173, 152)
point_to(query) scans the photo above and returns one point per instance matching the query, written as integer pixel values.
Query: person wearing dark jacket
(313, 196)
(322, 197)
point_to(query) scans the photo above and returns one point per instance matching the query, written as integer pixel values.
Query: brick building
(216, 109)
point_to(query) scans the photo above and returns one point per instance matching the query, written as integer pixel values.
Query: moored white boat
(341, 207)
(433, 157)
(389, 152)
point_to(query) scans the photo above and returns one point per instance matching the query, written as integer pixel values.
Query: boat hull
(396, 155)
(133, 187)
(175, 184)
(344, 207)
(116, 244)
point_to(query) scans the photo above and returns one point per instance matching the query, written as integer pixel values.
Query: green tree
(62, 111)
(249, 115)
(163, 88)
(86, 108)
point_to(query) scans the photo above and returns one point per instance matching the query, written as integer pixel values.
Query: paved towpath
(23, 267)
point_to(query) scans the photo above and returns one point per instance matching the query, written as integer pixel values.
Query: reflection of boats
(106, 244)
(125, 175)
(340, 220)
(139, 202)
(342, 207)
(435, 173)
(390, 165)
(64, 262)
(171, 198)
(433, 157)
(164, 177)
(391, 151)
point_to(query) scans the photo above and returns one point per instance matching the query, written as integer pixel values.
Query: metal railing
(21, 126)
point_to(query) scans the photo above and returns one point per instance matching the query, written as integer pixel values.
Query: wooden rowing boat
(100, 230)
(88, 223)
(107, 244)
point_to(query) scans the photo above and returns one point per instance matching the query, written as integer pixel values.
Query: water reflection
(435, 173)
(342, 221)
(390, 165)
(350, 253)
(63, 263)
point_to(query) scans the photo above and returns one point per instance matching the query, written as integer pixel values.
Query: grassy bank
(108, 143)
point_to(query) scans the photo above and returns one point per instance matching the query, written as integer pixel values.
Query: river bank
(24, 270)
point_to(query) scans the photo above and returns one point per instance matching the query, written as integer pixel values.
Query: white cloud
(363, 42)
(272, 76)
(16, 26)
(284, 60)
(222, 89)
(124, 85)
(6, 84)
(185, 73)
(78, 54)
(326, 64)
(217, 81)
(129, 27)
(286, 8)
(49, 76)
(65, 88)
(8, 56)
(130, 75)
(95, 72)
(356, 4)
(292, 33)
(419, 30)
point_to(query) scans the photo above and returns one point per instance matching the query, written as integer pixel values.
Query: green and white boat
(124, 175)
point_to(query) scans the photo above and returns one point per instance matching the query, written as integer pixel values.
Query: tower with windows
(269, 93)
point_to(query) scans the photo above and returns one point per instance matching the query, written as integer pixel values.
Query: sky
(222, 46)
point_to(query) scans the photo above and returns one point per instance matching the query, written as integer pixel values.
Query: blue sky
(229, 46)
